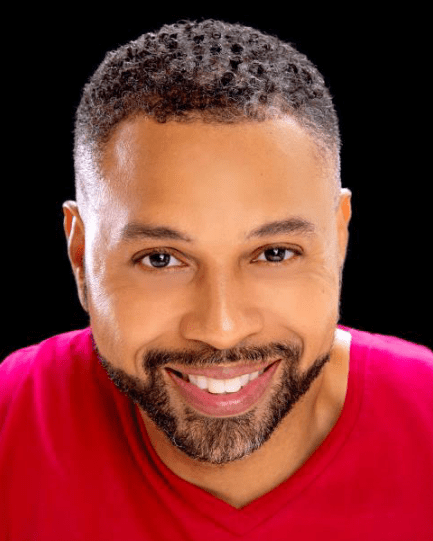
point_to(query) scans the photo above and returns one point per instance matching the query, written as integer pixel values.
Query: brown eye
(159, 260)
(276, 254)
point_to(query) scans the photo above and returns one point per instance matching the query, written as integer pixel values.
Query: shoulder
(390, 348)
(394, 365)
(65, 344)
(393, 349)
(55, 356)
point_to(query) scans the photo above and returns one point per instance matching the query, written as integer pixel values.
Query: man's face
(181, 273)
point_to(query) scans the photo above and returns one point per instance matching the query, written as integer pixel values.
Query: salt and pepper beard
(216, 440)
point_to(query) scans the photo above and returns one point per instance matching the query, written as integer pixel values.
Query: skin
(216, 183)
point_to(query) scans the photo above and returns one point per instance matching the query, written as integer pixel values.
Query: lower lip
(222, 405)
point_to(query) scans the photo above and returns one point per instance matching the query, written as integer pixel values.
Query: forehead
(197, 176)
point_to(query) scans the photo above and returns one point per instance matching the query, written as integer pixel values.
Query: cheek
(308, 306)
(310, 299)
(320, 294)
(316, 306)
(139, 311)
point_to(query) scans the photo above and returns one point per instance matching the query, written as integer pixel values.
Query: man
(214, 394)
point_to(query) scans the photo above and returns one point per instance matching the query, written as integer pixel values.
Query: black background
(377, 65)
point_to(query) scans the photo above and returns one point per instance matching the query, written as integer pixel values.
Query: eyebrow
(138, 231)
(297, 225)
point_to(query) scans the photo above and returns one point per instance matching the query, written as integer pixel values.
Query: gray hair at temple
(212, 71)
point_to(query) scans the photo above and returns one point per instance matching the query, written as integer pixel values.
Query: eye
(159, 260)
(277, 254)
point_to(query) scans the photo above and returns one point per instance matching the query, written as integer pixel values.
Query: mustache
(209, 356)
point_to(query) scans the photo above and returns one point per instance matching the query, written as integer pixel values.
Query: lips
(221, 405)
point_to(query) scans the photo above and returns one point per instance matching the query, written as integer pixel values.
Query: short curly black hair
(210, 70)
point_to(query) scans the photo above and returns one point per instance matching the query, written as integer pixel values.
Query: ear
(344, 214)
(75, 237)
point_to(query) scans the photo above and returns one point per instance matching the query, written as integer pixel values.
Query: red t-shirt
(76, 462)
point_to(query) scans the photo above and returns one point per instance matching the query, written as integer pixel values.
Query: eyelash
(137, 260)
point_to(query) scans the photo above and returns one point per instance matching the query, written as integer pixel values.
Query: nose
(222, 313)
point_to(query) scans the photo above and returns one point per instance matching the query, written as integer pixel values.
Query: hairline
(94, 149)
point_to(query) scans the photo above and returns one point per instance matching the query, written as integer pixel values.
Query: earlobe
(75, 237)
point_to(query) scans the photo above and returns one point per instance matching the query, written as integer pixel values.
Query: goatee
(224, 439)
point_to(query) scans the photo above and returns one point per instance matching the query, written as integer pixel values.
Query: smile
(222, 397)
(220, 386)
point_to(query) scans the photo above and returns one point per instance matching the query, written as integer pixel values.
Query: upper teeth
(219, 386)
